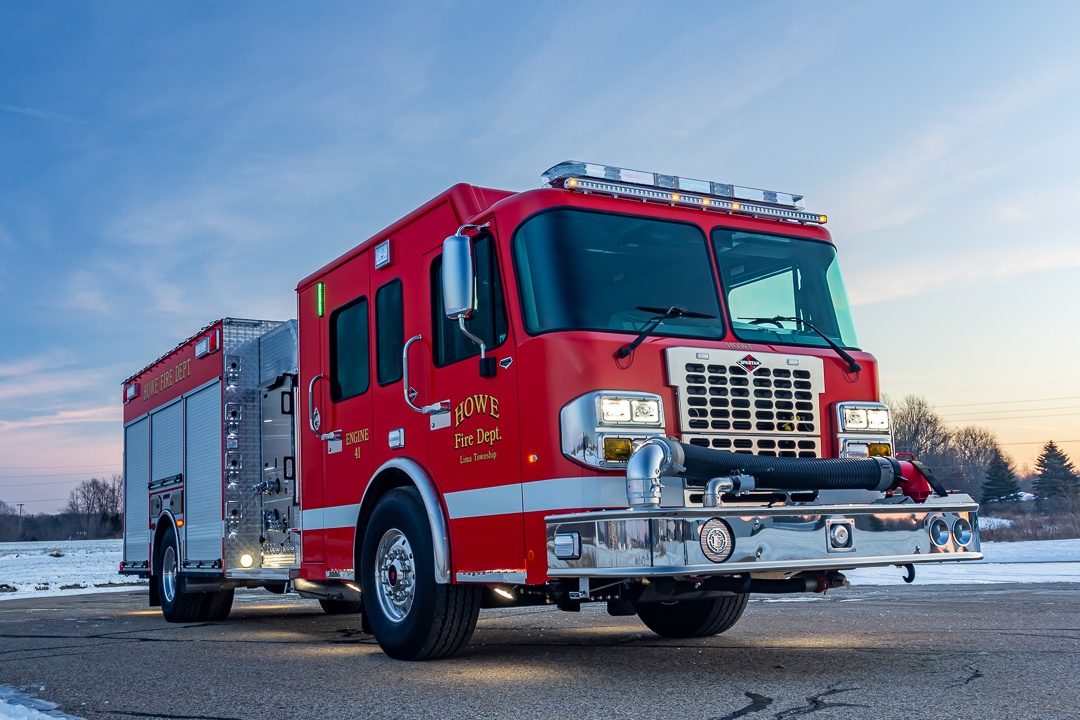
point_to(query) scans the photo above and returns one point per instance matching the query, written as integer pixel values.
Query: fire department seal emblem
(749, 363)
(717, 541)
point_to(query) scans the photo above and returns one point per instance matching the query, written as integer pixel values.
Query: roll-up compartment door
(136, 492)
(203, 477)
(202, 483)
(166, 443)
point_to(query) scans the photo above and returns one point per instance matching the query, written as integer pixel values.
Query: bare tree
(6, 509)
(973, 449)
(919, 430)
(97, 505)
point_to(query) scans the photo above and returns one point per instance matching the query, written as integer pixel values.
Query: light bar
(621, 182)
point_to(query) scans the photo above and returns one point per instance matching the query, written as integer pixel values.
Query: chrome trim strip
(511, 577)
(736, 568)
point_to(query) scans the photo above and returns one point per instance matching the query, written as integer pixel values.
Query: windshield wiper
(853, 366)
(672, 312)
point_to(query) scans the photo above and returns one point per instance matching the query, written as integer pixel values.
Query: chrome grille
(758, 403)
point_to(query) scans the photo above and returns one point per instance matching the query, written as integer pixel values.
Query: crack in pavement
(817, 702)
(133, 713)
(757, 702)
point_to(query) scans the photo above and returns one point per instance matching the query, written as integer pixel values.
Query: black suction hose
(779, 473)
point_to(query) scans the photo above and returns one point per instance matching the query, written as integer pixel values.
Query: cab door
(337, 459)
(348, 458)
(474, 449)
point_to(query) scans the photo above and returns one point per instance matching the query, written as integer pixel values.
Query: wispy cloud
(103, 414)
(941, 271)
(42, 114)
(945, 155)
(29, 366)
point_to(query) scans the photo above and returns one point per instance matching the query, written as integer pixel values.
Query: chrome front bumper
(788, 539)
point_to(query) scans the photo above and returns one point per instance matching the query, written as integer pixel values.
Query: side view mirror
(458, 285)
(457, 277)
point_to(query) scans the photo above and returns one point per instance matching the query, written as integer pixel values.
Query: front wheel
(177, 606)
(411, 616)
(693, 618)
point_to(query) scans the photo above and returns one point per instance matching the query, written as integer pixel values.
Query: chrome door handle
(314, 421)
(408, 392)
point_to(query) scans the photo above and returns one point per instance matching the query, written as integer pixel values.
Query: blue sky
(165, 164)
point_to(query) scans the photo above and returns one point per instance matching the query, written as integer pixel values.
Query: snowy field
(46, 569)
(73, 567)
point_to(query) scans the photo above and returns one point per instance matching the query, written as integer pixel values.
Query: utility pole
(20, 519)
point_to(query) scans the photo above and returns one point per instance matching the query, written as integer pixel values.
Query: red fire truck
(624, 387)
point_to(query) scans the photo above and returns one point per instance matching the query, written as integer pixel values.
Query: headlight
(864, 417)
(865, 430)
(602, 428)
(854, 419)
(618, 410)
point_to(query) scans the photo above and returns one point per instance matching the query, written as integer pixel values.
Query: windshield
(580, 270)
(773, 281)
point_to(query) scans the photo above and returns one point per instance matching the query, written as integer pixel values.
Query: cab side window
(489, 323)
(389, 332)
(350, 364)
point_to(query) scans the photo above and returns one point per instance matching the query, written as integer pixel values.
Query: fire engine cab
(624, 387)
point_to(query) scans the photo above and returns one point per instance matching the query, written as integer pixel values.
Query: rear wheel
(411, 616)
(340, 607)
(217, 605)
(693, 618)
(176, 605)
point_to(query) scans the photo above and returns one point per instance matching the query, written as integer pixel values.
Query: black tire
(411, 616)
(176, 606)
(693, 618)
(217, 605)
(341, 607)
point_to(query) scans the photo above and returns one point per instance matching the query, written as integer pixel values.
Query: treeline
(94, 510)
(970, 459)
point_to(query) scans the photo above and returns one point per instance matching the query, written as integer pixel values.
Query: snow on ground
(15, 705)
(73, 567)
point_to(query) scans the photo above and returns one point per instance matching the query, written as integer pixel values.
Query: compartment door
(136, 492)
(203, 475)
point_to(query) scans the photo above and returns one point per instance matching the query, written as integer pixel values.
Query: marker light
(320, 298)
(617, 449)
(246, 560)
(208, 344)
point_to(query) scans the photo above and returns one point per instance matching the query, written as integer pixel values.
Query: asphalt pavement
(985, 651)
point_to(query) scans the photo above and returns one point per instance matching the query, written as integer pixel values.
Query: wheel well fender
(403, 472)
(164, 522)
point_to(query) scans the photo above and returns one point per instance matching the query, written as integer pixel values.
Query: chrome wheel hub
(168, 574)
(395, 575)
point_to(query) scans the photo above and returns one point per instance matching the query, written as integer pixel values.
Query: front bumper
(659, 542)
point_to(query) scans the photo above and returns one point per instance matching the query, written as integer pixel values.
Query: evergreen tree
(1056, 485)
(1000, 484)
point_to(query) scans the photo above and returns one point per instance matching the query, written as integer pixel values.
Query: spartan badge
(749, 363)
